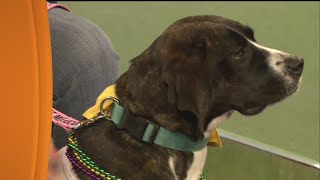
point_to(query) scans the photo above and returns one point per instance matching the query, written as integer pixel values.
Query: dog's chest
(199, 157)
(199, 160)
(216, 122)
(188, 169)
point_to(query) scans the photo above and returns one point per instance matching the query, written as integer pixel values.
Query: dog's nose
(294, 65)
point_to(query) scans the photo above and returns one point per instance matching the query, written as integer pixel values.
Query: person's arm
(84, 64)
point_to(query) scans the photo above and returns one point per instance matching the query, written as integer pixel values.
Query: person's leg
(84, 64)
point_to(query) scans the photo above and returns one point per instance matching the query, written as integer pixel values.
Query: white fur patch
(199, 157)
(275, 60)
(272, 51)
(216, 122)
(199, 160)
(171, 164)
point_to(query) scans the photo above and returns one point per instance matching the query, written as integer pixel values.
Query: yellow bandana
(214, 140)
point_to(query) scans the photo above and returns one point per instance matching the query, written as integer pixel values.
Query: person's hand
(54, 159)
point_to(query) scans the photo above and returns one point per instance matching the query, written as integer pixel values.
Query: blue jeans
(84, 64)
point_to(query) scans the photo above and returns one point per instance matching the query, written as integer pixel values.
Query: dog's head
(211, 65)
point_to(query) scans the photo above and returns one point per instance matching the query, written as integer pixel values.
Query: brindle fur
(181, 82)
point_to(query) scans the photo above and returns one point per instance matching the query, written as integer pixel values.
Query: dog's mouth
(251, 110)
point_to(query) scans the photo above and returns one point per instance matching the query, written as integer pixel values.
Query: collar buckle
(150, 132)
(138, 127)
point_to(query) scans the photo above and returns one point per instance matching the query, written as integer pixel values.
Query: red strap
(51, 6)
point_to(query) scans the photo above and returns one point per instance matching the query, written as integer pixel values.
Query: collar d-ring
(102, 111)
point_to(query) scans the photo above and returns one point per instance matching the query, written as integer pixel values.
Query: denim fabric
(84, 64)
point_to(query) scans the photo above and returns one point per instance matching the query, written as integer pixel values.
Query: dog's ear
(185, 73)
(191, 94)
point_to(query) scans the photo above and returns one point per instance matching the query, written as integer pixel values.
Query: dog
(193, 77)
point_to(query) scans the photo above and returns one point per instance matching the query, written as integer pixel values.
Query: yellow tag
(94, 110)
(214, 140)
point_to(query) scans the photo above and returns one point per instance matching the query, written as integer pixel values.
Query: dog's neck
(144, 94)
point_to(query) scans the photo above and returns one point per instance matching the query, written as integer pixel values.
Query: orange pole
(25, 90)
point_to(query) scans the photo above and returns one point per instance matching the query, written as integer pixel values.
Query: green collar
(152, 133)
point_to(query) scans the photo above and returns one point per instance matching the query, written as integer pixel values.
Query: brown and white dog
(192, 77)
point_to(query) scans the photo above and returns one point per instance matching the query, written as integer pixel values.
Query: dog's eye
(238, 53)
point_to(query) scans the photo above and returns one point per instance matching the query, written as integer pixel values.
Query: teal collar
(149, 132)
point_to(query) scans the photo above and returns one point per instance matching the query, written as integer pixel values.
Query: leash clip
(87, 122)
(102, 111)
